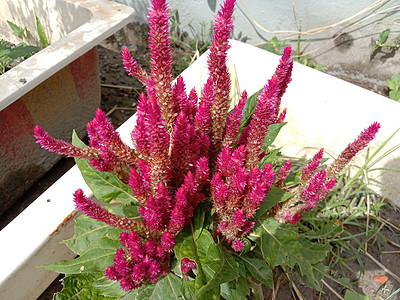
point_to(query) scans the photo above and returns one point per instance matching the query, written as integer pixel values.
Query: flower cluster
(190, 148)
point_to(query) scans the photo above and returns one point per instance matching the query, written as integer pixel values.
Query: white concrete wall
(348, 56)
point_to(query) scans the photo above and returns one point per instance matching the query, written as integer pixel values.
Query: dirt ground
(119, 100)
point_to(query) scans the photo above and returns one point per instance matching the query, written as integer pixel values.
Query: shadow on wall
(57, 20)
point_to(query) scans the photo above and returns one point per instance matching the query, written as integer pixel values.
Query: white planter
(58, 88)
(323, 111)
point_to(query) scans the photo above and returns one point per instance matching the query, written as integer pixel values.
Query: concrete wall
(345, 48)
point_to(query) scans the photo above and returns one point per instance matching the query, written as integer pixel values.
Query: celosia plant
(204, 210)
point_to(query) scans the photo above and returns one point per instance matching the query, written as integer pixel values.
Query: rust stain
(65, 221)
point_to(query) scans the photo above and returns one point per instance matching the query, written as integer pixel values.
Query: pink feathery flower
(202, 173)
(138, 135)
(237, 245)
(159, 86)
(253, 200)
(264, 115)
(281, 117)
(284, 73)
(191, 106)
(167, 241)
(283, 172)
(94, 211)
(203, 115)
(267, 176)
(235, 163)
(183, 103)
(316, 183)
(326, 188)
(158, 141)
(133, 68)
(219, 193)
(231, 129)
(312, 165)
(108, 137)
(61, 147)
(183, 153)
(217, 59)
(235, 226)
(237, 189)
(187, 265)
(292, 219)
(352, 149)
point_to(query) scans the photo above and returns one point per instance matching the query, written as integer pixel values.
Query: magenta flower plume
(187, 265)
(138, 263)
(133, 68)
(352, 149)
(284, 74)
(232, 125)
(223, 25)
(107, 136)
(237, 245)
(309, 170)
(94, 211)
(264, 115)
(159, 86)
(283, 173)
(61, 147)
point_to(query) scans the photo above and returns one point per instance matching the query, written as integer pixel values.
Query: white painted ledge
(91, 21)
(323, 111)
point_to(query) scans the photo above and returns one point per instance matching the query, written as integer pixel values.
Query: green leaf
(94, 260)
(326, 230)
(395, 95)
(41, 33)
(105, 186)
(18, 31)
(269, 157)
(274, 196)
(272, 133)
(22, 50)
(89, 233)
(169, 287)
(215, 265)
(392, 84)
(236, 289)
(351, 295)
(282, 246)
(78, 287)
(107, 287)
(384, 36)
(259, 269)
(248, 109)
(396, 78)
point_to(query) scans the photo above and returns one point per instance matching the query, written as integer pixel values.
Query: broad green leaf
(239, 288)
(109, 288)
(282, 246)
(168, 287)
(269, 157)
(351, 295)
(273, 131)
(392, 84)
(198, 219)
(219, 267)
(22, 50)
(384, 36)
(396, 78)
(41, 33)
(78, 287)
(273, 197)
(259, 269)
(93, 260)
(89, 233)
(18, 31)
(215, 265)
(395, 95)
(105, 186)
